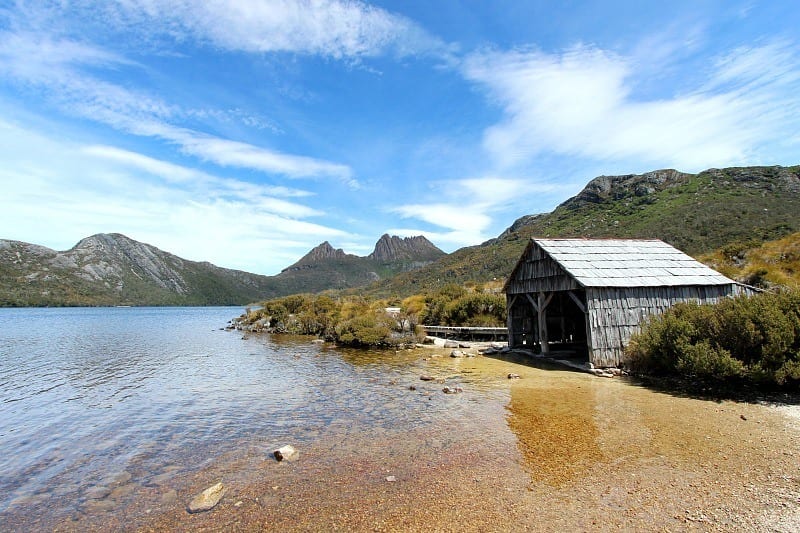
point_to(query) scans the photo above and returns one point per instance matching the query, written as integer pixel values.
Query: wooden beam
(542, 315)
(510, 321)
(532, 301)
(577, 301)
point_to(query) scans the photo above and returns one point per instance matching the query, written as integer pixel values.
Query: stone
(288, 453)
(171, 496)
(513, 376)
(451, 344)
(98, 493)
(456, 353)
(452, 390)
(391, 479)
(464, 345)
(427, 378)
(318, 341)
(207, 500)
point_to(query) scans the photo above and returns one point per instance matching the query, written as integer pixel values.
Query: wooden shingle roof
(628, 263)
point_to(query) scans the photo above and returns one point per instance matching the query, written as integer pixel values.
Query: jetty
(467, 333)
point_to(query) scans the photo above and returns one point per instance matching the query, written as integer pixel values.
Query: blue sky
(245, 132)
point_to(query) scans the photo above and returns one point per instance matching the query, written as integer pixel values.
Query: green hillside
(697, 213)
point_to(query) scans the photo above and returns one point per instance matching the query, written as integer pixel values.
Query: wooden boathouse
(588, 296)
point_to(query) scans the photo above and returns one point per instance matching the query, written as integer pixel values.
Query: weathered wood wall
(614, 314)
(537, 272)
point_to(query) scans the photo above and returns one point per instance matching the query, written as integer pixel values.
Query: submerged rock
(452, 390)
(207, 500)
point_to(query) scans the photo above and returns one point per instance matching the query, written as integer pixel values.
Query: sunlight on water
(88, 394)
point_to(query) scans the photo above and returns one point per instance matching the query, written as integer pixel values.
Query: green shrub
(363, 330)
(755, 337)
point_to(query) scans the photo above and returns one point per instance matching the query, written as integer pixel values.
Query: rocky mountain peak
(318, 254)
(604, 188)
(393, 248)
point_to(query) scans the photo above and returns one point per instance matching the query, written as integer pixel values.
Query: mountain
(410, 249)
(327, 268)
(697, 213)
(112, 269)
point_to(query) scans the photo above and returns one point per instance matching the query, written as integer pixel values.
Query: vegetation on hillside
(765, 265)
(696, 213)
(358, 321)
(755, 339)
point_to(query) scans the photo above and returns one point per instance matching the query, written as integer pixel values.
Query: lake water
(87, 394)
(113, 418)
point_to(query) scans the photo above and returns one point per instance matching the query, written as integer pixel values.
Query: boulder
(456, 353)
(451, 344)
(288, 453)
(207, 500)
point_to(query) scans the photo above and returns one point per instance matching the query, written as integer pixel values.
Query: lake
(113, 418)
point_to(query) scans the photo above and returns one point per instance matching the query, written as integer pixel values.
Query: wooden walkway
(471, 333)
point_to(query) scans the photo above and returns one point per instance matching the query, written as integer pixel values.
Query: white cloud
(332, 28)
(28, 60)
(467, 215)
(582, 102)
(66, 192)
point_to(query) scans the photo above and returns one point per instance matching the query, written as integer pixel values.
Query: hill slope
(112, 269)
(761, 264)
(696, 213)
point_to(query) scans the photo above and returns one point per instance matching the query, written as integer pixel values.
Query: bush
(755, 337)
(364, 330)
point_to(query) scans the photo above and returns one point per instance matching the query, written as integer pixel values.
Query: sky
(246, 132)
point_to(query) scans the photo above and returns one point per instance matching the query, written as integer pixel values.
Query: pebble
(207, 500)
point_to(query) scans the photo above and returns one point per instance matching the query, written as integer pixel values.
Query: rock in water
(287, 452)
(208, 499)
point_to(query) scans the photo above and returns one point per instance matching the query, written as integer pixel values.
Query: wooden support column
(512, 337)
(543, 300)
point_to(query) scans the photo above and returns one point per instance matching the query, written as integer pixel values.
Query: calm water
(87, 394)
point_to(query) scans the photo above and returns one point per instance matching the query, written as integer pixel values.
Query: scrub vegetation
(755, 339)
(359, 321)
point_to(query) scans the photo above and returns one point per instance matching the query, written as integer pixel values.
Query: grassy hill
(697, 213)
(765, 264)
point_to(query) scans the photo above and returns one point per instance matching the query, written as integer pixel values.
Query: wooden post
(542, 314)
(512, 339)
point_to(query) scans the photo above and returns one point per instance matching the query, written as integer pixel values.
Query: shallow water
(114, 418)
(88, 395)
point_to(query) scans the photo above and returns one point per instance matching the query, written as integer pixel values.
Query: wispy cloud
(471, 205)
(54, 67)
(582, 102)
(68, 191)
(339, 29)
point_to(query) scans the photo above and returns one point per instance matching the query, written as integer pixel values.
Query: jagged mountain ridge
(697, 213)
(112, 269)
(325, 267)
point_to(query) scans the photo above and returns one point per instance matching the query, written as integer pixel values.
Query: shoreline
(553, 450)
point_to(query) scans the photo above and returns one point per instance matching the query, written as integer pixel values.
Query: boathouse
(586, 297)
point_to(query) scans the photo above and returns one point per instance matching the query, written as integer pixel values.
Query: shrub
(364, 330)
(755, 337)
